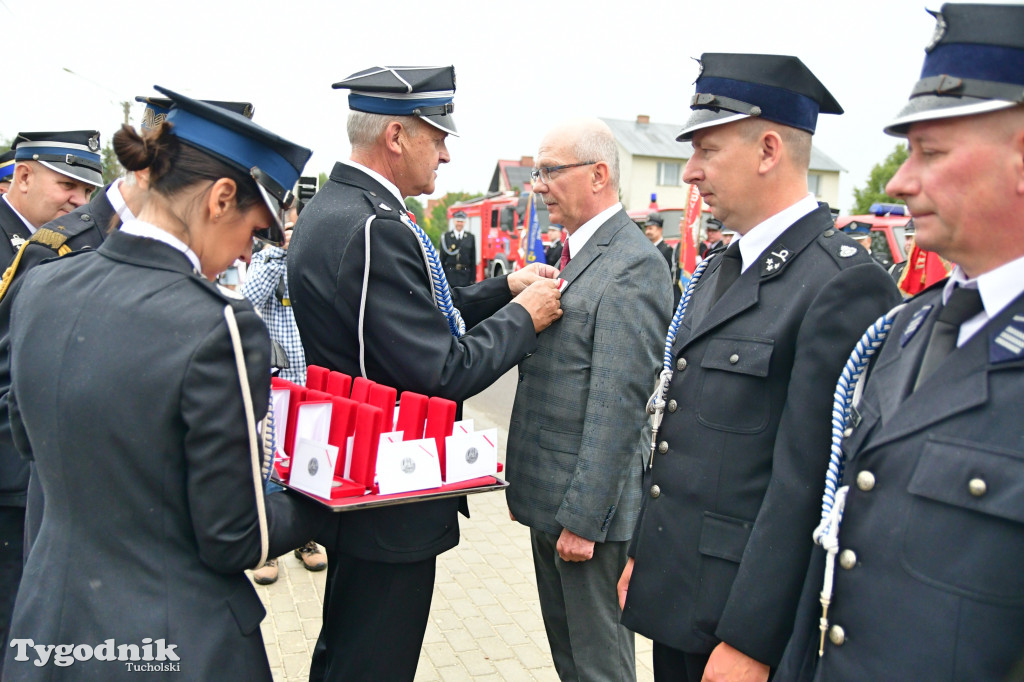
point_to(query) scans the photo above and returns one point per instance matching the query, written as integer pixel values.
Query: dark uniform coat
(553, 254)
(666, 251)
(125, 385)
(458, 258)
(406, 339)
(573, 457)
(930, 586)
(11, 227)
(725, 533)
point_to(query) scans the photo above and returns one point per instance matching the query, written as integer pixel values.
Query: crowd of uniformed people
(823, 486)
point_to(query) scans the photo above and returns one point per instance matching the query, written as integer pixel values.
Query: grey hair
(364, 129)
(598, 144)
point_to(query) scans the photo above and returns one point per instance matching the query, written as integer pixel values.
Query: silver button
(977, 486)
(663, 447)
(848, 432)
(847, 559)
(733, 359)
(681, 364)
(865, 480)
(836, 635)
(673, 406)
(655, 491)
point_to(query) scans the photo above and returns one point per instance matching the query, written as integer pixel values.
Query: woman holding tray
(137, 388)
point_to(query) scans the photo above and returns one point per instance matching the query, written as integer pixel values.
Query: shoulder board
(844, 251)
(72, 224)
(384, 205)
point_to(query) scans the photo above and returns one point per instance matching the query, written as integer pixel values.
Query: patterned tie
(729, 272)
(963, 305)
(565, 255)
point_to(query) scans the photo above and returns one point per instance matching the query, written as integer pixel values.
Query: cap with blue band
(974, 64)
(778, 88)
(423, 91)
(157, 108)
(7, 165)
(72, 153)
(273, 162)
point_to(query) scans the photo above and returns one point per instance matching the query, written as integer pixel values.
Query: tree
(437, 222)
(880, 175)
(111, 166)
(322, 180)
(414, 206)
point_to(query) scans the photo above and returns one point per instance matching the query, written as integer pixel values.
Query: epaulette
(385, 207)
(844, 251)
(73, 224)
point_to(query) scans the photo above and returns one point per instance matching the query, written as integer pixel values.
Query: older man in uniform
(722, 543)
(928, 582)
(363, 294)
(458, 253)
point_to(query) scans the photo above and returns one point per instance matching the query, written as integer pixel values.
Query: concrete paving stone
(273, 657)
(269, 631)
(445, 619)
(450, 590)
(479, 627)
(454, 673)
(512, 635)
(296, 665)
(292, 643)
(281, 602)
(309, 609)
(477, 665)
(441, 655)
(286, 621)
(531, 656)
(433, 633)
(464, 608)
(278, 675)
(512, 671)
(494, 648)
(496, 615)
(481, 596)
(461, 641)
(425, 671)
(311, 631)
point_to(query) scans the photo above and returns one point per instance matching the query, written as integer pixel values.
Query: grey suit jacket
(574, 458)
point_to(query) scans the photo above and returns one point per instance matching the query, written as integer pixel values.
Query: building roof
(659, 140)
(515, 174)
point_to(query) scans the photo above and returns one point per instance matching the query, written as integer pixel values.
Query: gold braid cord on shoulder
(50, 238)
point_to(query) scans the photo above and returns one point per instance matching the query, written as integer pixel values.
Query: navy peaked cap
(424, 91)
(74, 153)
(6, 165)
(157, 108)
(857, 229)
(777, 88)
(974, 64)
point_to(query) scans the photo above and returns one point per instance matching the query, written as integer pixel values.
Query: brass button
(673, 406)
(848, 432)
(655, 491)
(663, 447)
(733, 359)
(865, 480)
(836, 635)
(681, 364)
(977, 486)
(847, 559)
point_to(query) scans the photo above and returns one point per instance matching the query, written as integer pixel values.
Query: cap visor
(706, 118)
(931, 107)
(442, 122)
(274, 234)
(89, 177)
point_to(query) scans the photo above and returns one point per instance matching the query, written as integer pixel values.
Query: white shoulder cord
(362, 298)
(250, 423)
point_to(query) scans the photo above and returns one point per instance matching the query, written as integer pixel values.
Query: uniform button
(848, 432)
(663, 447)
(655, 491)
(829, 233)
(673, 406)
(86, 217)
(847, 559)
(865, 480)
(733, 359)
(836, 635)
(977, 486)
(681, 364)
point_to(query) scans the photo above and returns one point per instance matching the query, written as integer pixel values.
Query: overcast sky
(520, 67)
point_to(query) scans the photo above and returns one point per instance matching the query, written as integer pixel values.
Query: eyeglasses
(544, 174)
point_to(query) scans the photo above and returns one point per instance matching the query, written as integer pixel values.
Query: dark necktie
(963, 305)
(729, 271)
(565, 255)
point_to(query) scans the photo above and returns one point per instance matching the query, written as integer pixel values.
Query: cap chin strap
(706, 100)
(951, 86)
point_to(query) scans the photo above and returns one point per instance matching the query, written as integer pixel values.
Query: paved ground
(485, 621)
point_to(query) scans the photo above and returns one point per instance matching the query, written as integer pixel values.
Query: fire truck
(888, 231)
(497, 222)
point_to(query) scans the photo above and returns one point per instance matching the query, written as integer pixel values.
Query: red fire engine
(496, 222)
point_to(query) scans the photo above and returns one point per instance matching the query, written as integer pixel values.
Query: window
(814, 184)
(669, 172)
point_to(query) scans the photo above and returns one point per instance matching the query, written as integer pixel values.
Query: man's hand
(729, 665)
(572, 547)
(520, 279)
(541, 300)
(623, 586)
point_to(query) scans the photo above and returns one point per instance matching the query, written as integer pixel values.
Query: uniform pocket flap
(737, 354)
(247, 609)
(989, 481)
(724, 537)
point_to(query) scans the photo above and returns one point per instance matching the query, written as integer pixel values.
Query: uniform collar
(761, 236)
(139, 228)
(117, 201)
(998, 288)
(385, 183)
(30, 226)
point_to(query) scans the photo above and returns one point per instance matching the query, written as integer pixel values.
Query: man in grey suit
(574, 460)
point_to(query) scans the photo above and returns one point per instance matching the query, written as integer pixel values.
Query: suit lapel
(594, 247)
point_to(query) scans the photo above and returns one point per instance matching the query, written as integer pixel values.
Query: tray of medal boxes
(350, 443)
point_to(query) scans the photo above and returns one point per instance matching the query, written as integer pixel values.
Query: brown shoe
(266, 574)
(313, 558)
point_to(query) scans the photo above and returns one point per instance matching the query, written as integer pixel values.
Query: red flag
(690, 227)
(923, 269)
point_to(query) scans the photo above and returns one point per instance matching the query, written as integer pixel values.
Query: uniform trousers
(579, 602)
(673, 665)
(375, 616)
(12, 533)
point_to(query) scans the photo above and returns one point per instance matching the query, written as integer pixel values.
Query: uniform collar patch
(1008, 344)
(915, 323)
(776, 257)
